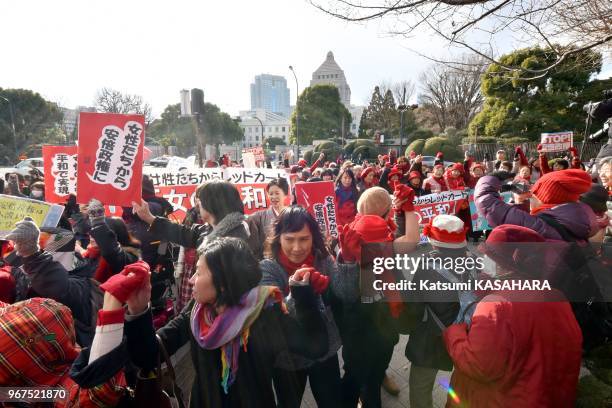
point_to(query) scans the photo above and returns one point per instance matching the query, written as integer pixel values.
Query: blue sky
(67, 50)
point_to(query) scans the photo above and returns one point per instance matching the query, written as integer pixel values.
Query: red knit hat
(506, 246)
(395, 171)
(414, 174)
(385, 157)
(366, 171)
(458, 167)
(372, 228)
(478, 166)
(562, 186)
(439, 166)
(302, 163)
(446, 231)
(439, 155)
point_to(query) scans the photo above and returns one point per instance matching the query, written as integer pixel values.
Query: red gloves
(573, 151)
(318, 282)
(131, 278)
(439, 155)
(539, 148)
(403, 192)
(350, 244)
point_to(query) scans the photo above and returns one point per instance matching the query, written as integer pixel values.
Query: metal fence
(479, 149)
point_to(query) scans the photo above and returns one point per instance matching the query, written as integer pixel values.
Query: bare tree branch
(568, 27)
(110, 100)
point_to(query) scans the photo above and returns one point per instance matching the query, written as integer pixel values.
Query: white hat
(446, 231)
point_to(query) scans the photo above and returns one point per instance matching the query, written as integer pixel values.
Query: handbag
(157, 388)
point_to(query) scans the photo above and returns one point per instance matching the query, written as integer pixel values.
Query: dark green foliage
(526, 109)
(36, 121)
(320, 114)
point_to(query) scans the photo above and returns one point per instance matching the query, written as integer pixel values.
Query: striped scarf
(230, 330)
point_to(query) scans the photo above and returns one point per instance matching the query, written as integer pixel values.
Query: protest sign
(239, 175)
(479, 223)
(248, 160)
(557, 142)
(319, 199)
(60, 168)
(178, 163)
(182, 198)
(194, 176)
(258, 154)
(14, 209)
(110, 158)
(446, 202)
(178, 187)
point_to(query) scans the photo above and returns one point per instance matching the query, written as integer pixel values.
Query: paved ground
(398, 369)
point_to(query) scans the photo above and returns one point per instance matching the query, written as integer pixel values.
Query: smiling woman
(298, 247)
(260, 223)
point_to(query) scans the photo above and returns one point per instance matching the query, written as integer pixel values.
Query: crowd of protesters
(268, 303)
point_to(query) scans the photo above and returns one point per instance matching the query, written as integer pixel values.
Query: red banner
(446, 202)
(182, 198)
(60, 168)
(110, 158)
(319, 199)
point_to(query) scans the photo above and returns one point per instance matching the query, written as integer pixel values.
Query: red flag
(110, 157)
(60, 169)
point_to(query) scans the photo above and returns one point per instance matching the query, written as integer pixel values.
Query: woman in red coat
(523, 348)
(346, 197)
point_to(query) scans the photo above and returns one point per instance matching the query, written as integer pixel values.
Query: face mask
(37, 194)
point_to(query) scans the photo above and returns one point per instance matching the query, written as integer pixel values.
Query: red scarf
(103, 271)
(291, 267)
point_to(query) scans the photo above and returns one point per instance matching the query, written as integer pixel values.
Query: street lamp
(297, 115)
(12, 114)
(402, 109)
(262, 128)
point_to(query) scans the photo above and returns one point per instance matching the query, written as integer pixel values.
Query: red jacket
(454, 183)
(346, 212)
(516, 354)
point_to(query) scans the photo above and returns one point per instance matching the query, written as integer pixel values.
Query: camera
(601, 110)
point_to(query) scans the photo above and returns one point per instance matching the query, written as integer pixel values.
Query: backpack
(588, 286)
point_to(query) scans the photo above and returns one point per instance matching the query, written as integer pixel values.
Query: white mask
(37, 193)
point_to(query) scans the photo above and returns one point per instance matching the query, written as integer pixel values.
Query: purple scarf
(230, 330)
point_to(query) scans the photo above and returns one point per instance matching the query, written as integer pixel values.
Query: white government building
(276, 125)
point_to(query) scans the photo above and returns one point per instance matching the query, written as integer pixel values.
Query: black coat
(272, 333)
(425, 346)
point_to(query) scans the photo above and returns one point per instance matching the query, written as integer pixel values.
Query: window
(276, 129)
(283, 128)
(257, 138)
(269, 129)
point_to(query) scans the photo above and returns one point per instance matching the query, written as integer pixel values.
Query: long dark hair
(293, 219)
(220, 198)
(355, 193)
(234, 269)
(124, 238)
